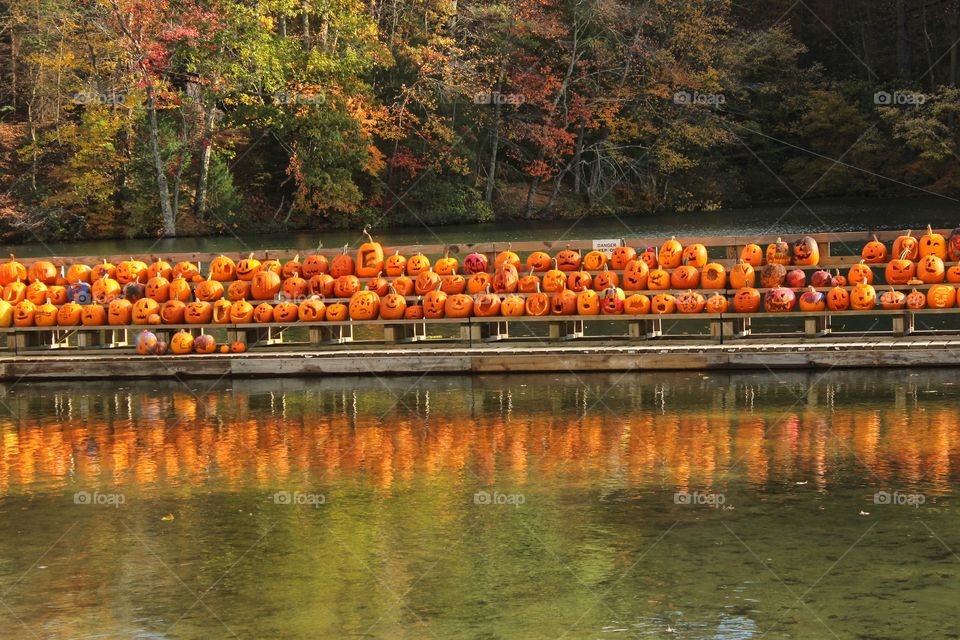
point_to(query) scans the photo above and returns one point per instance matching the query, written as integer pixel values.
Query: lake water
(680, 505)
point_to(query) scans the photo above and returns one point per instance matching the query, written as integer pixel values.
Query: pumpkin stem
(929, 230)
(366, 232)
(250, 257)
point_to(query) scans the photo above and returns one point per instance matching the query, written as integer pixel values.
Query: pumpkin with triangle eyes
(210, 290)
(900, 270)
(322, 284)
(434, 303)
(311, 310)
(554, 280)
(11, 271)
(606, 279)
(622, 256)
(45, 315)
(460, 305)
(594, 260)
(239, 290)
(476, 263)
(221, 311)
(198, 312)
(119, 312)
(417, 264)
(42, 271)
(568, 260)
(446, 265)
(286, 312)
(588, 303)
(263, 312)
(479, 282)
(143, 309)
(779, 300)
(779, 253)
(512, 306)
(932, 244)
(369, 257)
(717, 303)
(395, 265)
(185, 270)
(838, 299)
(405, 285)
(893, 299)
(812, 300)
(393, 306)
(172, 312)
(941, 296)
(863, 297)
(158, 288)
(747, 300)
(691, 302)
(838, 280)
(806, 252)
(714, 276)
(563, 303)
(93, 315)
(453, 284)
(426, 281)
(685, 277)
(906, 246)
(931, 270)
(578, 281)
(346, 286)
(635, 275)
(916, 300)
(486, 304)
(70, 314)
(24, 314)
(671, 254)
(264, 286)
(874, 252)
(752, 254)
(636, 304)
(695, 255)
(663, 304)
(505, 280)
(292, 268)
(314, 265)
(612, 301)
(343, 264)
(742, 275)
(658, 279)
(247, 267)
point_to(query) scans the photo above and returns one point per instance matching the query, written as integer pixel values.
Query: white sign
(607, 246)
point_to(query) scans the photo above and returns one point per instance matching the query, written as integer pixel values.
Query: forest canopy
(165, 117)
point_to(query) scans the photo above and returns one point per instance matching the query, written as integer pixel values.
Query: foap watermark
(485, 497)
(898, 98)
(698, 498)
(292, 98)
(112, 98)
(695, 97)
(299, 497)
(899, 498)
(98, 499)
(495, 97)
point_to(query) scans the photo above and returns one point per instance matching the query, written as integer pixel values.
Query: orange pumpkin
(806, 252)
(37, 292)
(369, 257)
(747, 300)
(690, 302)
(78, 273)
(606, 279)
(717, 303)
(209, 290)
(863, 297)
(393, 306)
(292, 268)
(594, 260)
(222, 269)
(265, 285)
(941, 296)
(11, 271)
(479, 282)
(460, 305)
(622, 256)
(181, 343)
(555, 280)
(714, 276)
(434, 303)
(185, 270)
(506, 279)
(893, 299)
(446, 265)
(24, 314)
(931, 270)
(119, 312)
(906, 246)
(636, 304)
(838, 299)
(93, 315)
(221, 311)
(395, 265)
(158, 288)
(263, 312)
(426, 281)
(241, 312)
(42, 271)
(314, 265)
(916, 300)
(563, 303)
(537, 304)
(346, 286)
(860, 272)
(635, 275)
(671, 254)
(539, 261)
(413, 312)
(932, 244)
(198, 312)
(238, 290)
(45, 315)
(568, 260)
(743, 275)
(874, 252)
(663, 304)
(695, 255)
(752, 254)
(512, 306)
(247, 267)
(286, 312)
(143, 309)
(685, 277)
(507, 257)
(312, 310)
(343, 264)
(486, 304)
(417, 264)
(779, 253)
(588, 303)
(658, 280)
(321, 284)
(172, 312)
(900, 270)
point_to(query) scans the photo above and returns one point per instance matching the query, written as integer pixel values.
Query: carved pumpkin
(271, 265)
(863, 297)
(779, 300)
(181, 343)
(393, 306)
(658, 279)
(649, 256)
(380, 286)
(222, 269)
(612, 301)
(263, 312)
(507, 256)
(185, 270)
(743, 275)
(622, 256)
(487, 304)
(479, 282)
(286, 312)
(346, 286)
(941, 296)
(714, 276)
(157, 288)
(691, 302)
(198, 312)
(636, 304)
(78, 273)
(752, 254)
(239, 290)
(428, 281)
(238, 347)
(453, 284)
(838, 280)
(594, 260)
(821, 278)
(953, 274)
(588, 303)
(322, 284)
(37, 292)
(396, 265)
(893, 299)
(70, 314)
(860, 273)
(635, 275)
(93, 315)
(311, 310)
(563, 303)
(554, 281)
(812, 300)
(806, 252)
(417, 264)
(953, 246)
(900, 270)
(916, 300)
(221, 311)
(343, 264)
(460, 305)
(606, 279)
(264, 286)
(568, 260)
(247, 267)
(45, 315)
(434, 303)
(369, 258)
(314, 265)
(405, 286)
(292, 268)
(24, 314)
(210, 290)
(42, 271)
(527, 283)
(874, 252)
(932, 244)
(15, 292)
(663, 304)
(695, 255)
(475, 263)
(578, 281)
(773, 275)
(11, 271)
(717, 303)
(838, 299)
(179, 290)
(414, 312)
(133, 291)
(172, 312)
(779, 253)
(143, 309)
(685, 277)
(671, 254)
(446, 265)
(103, 270)
(906, 246)
(505, 280)
(119, 312)
(105, 290)
(58, 295)
(931, 270)
(747, 300)
(512, 306)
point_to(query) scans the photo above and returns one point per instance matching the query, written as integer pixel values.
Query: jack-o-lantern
(578, 281)
(70, 314)
(695, 255)
(172, 312)
(395, 265)
(658, 279)
(685, 277)
(103, 270)
(119, 312)
(292, 268)
(322, 284)
(717, 303)
(838, 280)
(271, 265)
(636, 304)
(58, 295)
(15, 292)
(446, 265)
(179, 290)
(953, 246)
(198, 312)
(779, 253)
(900, 270)
(773, 275)
(953, 274)
(181, 343)
(691, 302)
(863, 297)
(752, 254)
(594, 260)
(204, 344)
(93, 315)
(635, 275)
(380, 286)
(838, 299)
(37, 292)
(779, 300)
(24, 314)
(133, 291)
(563, 303)
(417, 264)
(369, 257)
(714, 276)
(428, 281)
(527, 284)
(240, 290)
(622, 256)
(221, 311)
(312, 310)
(649, 256)
(247, 267)
(104, 290)
(486, 304)
(663, 304)
(314, 265)
(505, 280)
(874, 252)
(941, 296)
(414, 311)
(132, 271)
(343, 264)
(263, 312)
(404, 285)
(568, 260)
(11, 271)
(747, 300)
(264, 286)
(185, 270)
(588, 303)
(78, 273)
(157, 288)
(554, 280)
(512, 306)
(477, 263)
(606, 279)
(505, 257)
(346, 286)
(812, 300)
(45, 315)
(286, 312)
(916, 300)
(454, 284)
(930, 270)
(460, 305)
(612, 301)
(742, 275)
(479, 282)
(210, 290)
(671, 254)
(906, 246)
(932, 244)
(393, 306)
(42, 271)
(893, 299)
(434, 303)
(860, 273)
(241, 312)
(143, 309)
(806, 252)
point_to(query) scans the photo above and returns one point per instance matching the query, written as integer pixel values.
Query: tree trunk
(494, 145)
(577, 156)
(305, 22)
(166, 209)
(200, 208)
(955, 52)
(534, 183)
(903, 41)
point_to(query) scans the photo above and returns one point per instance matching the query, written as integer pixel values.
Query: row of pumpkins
(368, 305)
(182, 343)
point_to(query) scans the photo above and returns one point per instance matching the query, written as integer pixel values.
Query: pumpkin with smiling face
(477, 263)
(479, 282)
(612, 301)
(671, 254)
(636, 304)
(874, 252)
(346, 286)
(588, 303)
(860, 272)
(434, 304)
(893, 299)
(717, 303)
(181, 343)
(578, 281)
(863, 297)
(606, 279)
(779, 300)
(486, 304)
(695, 255)
(198, 312)
(314, 265)
(292, 268)
(393, 306)
(554, 280)
(238, 290)
(906, 246)
(93, 315)
(779, 252)
(247, 267)
(45, 315)
(752, 254)
(563, 303)
(172, 312)
(264, 286)
(568, 260)
(395, 265)
(263, 312)
(742, 275)
(311, 310)
(685, 277)
(70, 314)
(132, 271)
(663, 304)
(506, 279)
(143, 309)
(459, 305)
(426, 281)
(941, 296)
(806, 252)
(158, 288)
(931, 270)
(369, 257)
(210, 290)
(119, 312)
(747, 300)
(24, 314)
(691, 302)
(241, 312)
(286, 312)
(447, 265)
(812, 300)
(932, 244)
(714, 276)
(773, 275)
(417, 264)
(916, 300)
(900, 270)
(11, 271)
(622, 256)
(635, 275)
(512, 306)
(953, 274)
(649, 256)
(594, 260)
(838, 299)
(658, 279)
(380, 286)
(343, 264)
